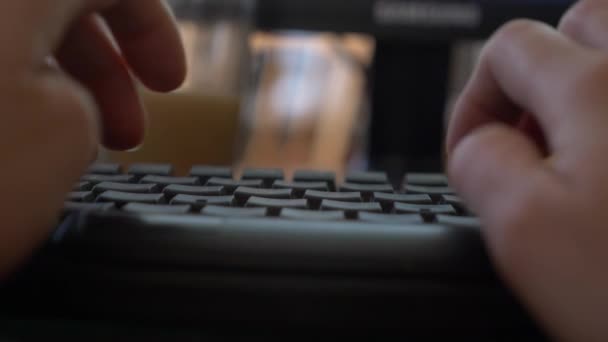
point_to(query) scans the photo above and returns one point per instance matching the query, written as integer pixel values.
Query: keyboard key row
(250, 212)
(166, 180)
(275, 205)
(126, 187)
(445, 209)
(426, 179)
(234, 212)
(202, 201)
(312, 215)
(286, 213)
(388, 199)
(268, 176)
(242, 194)
(274, 198)
(316, 197)
(452, 199)
(192, 185)
(142, 208)
(231, 185)
(350, 192)
(96, 179)
(351, 209)
(207, 172)
(459, 221)
(309, 176)
(142, 170)
(430, 190)
(204, 173)
(367, 190)
(122, 198)
(174, 190)
(299, 188)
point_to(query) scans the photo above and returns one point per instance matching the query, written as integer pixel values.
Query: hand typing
(66, 86)
(543, 197)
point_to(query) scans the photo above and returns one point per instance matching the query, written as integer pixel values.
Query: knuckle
(466, 166)
(516, 30)
(519, 26)
(574, 22)
(518, 34)
(460, 169)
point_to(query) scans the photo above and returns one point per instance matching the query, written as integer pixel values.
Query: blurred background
(288, 90)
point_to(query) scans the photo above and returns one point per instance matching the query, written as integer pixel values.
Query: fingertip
(577, 20)
(127, 131)
(166, 71)
(90, 58)
(460, 157)
(123, 142)
(170, 80)
(490, 162)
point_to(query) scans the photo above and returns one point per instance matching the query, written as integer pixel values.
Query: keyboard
(364, 197)
(264, 251)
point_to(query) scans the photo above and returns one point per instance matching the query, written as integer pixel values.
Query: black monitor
(405, 19)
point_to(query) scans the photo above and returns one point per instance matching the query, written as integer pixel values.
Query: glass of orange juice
(199, 123)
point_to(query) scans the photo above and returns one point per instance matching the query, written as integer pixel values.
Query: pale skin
(544, 218)
(53, 119)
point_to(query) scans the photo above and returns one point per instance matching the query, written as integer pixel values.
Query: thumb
(491, 165)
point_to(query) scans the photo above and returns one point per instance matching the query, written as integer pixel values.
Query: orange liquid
(185, 129)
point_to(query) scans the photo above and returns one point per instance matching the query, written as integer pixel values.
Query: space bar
(277, 245)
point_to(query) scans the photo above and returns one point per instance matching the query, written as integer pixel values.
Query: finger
(587, 23)
(530, 128)
(88, 55)
(148, 37)
(526, 67)
(144, 29)
(499, 172)
(492, 164)
(39, 25)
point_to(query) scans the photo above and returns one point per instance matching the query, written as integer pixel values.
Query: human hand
(64, 89)
(545, 213)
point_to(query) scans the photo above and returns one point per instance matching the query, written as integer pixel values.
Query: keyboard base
(272, 304)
